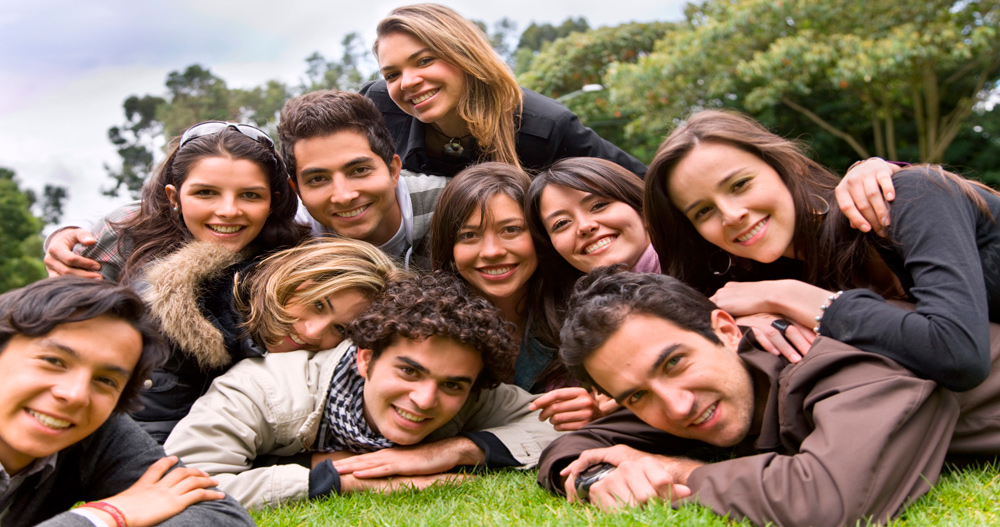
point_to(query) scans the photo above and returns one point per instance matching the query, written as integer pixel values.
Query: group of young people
(427, 311)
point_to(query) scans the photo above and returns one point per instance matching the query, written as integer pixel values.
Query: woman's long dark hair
(157, 230)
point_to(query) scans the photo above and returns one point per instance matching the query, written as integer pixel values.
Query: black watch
(589, 476)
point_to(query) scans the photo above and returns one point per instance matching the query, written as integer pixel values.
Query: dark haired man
(73, 353)
(842, 436)
(415, 393)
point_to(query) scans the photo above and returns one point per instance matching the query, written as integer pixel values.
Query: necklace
(452, 145)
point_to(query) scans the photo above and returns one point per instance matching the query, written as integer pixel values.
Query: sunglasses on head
(214, 127)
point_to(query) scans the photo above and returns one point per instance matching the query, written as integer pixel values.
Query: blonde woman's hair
(492, 96)
(308, 273)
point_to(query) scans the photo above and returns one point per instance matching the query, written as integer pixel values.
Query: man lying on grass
(842, 435)
(414, 393)
(73, 354)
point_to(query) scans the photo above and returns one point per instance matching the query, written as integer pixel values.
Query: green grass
(969, 496)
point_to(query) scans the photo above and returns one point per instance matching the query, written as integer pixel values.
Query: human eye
(250, 195)
(453, 387)
(390, 76)
(512, 230)
(340, 328)
(466, 236)
(741, 184)
(558, 225)
(701, 212)
(52, 361)
(204, 192)
(319, 305)
(316, 179)
(425, 60)
(671, 363)
(408, 372)
(108, 382)
(361, 171)
(599, 205)
(635, 397)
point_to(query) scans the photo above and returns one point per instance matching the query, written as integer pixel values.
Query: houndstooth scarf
(343, 426)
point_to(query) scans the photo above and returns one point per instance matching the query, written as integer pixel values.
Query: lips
(413, 418)
(706, 415)
(497, 272)
(295, 338)
(49, 421)
(417, 100)
(747, 236)
(599, 244)
(226, 229)
(353, 212)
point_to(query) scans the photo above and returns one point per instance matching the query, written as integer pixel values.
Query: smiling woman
(217, 310)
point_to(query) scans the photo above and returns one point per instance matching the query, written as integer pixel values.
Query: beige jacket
(273, 406)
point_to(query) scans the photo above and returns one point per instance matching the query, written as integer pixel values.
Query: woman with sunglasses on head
(479, 232)
(221, 182)
(215, 310)
(722, 184)
(451, 101)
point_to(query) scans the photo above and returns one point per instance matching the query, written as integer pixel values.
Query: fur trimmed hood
(173, 288)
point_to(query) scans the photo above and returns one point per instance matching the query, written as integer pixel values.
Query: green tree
(536, 36)
(352, 70)
(904, 76)
(134, 140)
(20, 235)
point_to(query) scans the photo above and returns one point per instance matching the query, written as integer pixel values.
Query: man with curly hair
(414, 393)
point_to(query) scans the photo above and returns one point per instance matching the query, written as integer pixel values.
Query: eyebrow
(71, 352)
(420, 367)
(722, 182)
(664, 355)
(408, 59)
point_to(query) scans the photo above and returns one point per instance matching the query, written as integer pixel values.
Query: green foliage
(909, 72)
(566, 65)
(348, 74)
(20, 235)
(536, 36)
(512, 498)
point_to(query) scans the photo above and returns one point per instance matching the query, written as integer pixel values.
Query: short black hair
(36, 309)
(439, 304)
(602, 299)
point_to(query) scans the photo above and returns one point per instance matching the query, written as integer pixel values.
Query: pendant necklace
(452, 145)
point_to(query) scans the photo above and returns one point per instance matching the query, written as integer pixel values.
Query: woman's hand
(160, 495)
(571, 408)
(792, 300)
(792, 343)
(864, 193)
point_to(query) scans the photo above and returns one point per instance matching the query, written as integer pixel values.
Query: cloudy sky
(66, 67)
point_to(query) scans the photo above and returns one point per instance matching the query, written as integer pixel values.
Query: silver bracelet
(823, 308)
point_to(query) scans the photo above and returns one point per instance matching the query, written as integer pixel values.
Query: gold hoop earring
(826, 206)
(715, 263)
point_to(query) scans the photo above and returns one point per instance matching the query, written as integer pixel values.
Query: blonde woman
(449, 100)
(215, 311)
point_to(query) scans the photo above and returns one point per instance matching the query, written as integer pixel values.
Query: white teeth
(423, 97)
(225, 230)
(295, 338)
(753, 232)
(408, 416)
(599, 243)
(351, 213)
(50, 422)
(705, 416)
(497, 271)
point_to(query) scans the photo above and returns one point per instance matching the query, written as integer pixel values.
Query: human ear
(726, 329)
(172, 195)
(295, 186)
(364, 360)
(395, 166)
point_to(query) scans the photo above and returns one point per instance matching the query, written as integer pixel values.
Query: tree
(349, 74)
(134, 140)
(20, 235)
(908, 73)
(536, 36)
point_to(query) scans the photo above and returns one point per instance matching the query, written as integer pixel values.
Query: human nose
(586, 225)
(226, 207)
(409, 78)
(493, 246)
(424, 394)
(73, 389)
(677, 402)
(732, 212)
(343, 192)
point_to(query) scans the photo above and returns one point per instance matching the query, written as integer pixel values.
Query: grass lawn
(970, 496)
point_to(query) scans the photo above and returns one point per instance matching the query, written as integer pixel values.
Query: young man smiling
(73, 353)
(342, 163)
(414, 394)
(844, 435)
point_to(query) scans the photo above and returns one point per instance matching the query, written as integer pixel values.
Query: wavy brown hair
(492, 100)
(438, 304)
(157, 230)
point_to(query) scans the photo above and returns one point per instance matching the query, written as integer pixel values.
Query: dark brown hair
(37, 309)
(326, 112)
(157, 230)
(438, 304)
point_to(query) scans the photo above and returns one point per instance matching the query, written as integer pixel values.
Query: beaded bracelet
(823, 308)
(113, 511)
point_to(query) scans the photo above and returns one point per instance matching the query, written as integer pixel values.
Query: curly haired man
(414, 393)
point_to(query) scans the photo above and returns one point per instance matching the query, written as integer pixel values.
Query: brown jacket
(846, 435)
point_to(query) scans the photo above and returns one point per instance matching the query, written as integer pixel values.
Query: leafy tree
(904, 77)
(353, 69)
(134, 140)
(20, 235)
(566, 65)
(536, 36)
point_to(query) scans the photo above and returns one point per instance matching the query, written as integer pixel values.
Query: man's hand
(158, 495)
(349, 483)
(864, 193)
(639, 477)
(571, 408)
(61, 260)
(422, 459)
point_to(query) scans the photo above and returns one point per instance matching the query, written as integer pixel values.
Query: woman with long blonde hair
(451, 101)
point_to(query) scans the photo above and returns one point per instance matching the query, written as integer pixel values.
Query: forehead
(104, 341)
(334, 150)
(498, 207)
(396, 46)
(441, 356)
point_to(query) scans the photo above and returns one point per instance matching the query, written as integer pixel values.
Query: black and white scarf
(343, 426)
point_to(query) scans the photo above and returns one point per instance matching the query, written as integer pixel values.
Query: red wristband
(104, 506)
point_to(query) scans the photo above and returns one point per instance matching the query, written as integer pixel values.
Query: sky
(66, 67)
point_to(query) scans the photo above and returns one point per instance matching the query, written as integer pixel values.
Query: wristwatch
(589, 476)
